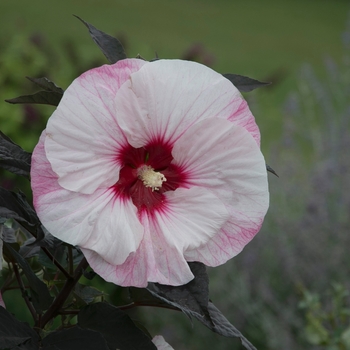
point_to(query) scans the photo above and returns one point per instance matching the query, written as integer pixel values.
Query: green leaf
(40, 97)
(115, 326)
(86, 293)
(16, 334)
(13, 157)
(73, 339)
(243, 83)
(40, 294)
(110, 46)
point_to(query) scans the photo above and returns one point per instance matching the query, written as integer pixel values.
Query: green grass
(248, 36)
(267, 40)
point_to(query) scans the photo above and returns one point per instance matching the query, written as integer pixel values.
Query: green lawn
(268, 40)
(251, 37)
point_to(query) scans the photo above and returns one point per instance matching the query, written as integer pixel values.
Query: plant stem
(24, 292)
(68, 312)
(145, 303)
(70, 260)
(59, 266)
(63, 295)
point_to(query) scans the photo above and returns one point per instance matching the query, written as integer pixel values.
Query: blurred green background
(288, 288)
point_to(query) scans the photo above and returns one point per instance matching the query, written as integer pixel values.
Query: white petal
(191, 218)
(160, 343)
(239, 230)
(83, 136)
(164, 98)
(154, 261)
(226, 160)
(98, 221)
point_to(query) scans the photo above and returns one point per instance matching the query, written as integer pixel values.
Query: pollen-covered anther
(150, 178)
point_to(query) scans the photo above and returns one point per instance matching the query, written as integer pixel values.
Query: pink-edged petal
(164, 98)
(243, 117)
(99, 221)
(83, 135)
(239, 230)
(189, 219)
(225, 159)
(154, 261)
(161, 344)
(2, 303)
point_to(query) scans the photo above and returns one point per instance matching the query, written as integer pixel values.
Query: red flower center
(156, 156)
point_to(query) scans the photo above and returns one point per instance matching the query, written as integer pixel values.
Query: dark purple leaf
(268, 168)
(190, 298)
(73, 339)
(14, 333)
(46, 84)
(193, 299)
(13, 157)
(14, 206)
(40, 97)
(87, 293)
(116, 327)
(40, 294)
(218, 323)
(244, 84)
(110, 46)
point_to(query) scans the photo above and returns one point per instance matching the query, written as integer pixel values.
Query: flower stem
(63, 295)
(146, 303)
(58, 265)
(70, 260)
(24, 292)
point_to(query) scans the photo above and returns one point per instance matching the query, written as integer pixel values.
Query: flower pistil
(150, 178)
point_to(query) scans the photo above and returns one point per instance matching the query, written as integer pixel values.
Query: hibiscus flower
(149, 165)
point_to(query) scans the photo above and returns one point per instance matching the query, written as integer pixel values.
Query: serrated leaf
(116, 327)
(45, 239)
(59, 253)
(40, 294)
(8, 234)
(15, 206)
(110, 46)
(193, 299)
(243, 83)
(219, 324)
(87, 293)
(190, 298)
(73, 339)
(89, 274)
(46, 84)
(12, 207)
(27, 250)
(142, 296)
(13, 157)
(40, 97)
(14, 333)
